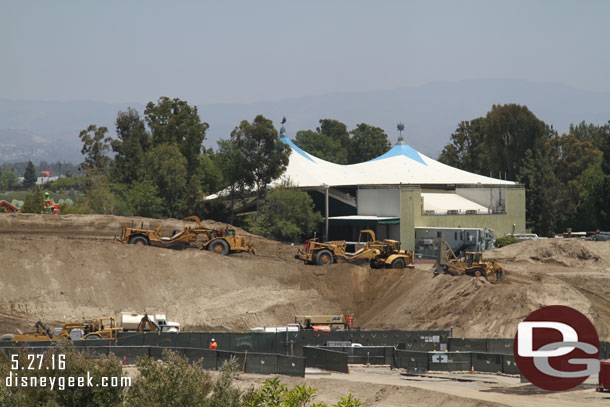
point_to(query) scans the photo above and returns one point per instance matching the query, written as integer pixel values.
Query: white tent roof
(401, 165)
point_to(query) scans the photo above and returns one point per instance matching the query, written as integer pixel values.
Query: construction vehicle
(379, 254)
(103, 328)
(471, 264)
(325, 322)
(221, 240)
(131, 321)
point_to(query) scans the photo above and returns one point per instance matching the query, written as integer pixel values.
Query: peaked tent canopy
(400, 165)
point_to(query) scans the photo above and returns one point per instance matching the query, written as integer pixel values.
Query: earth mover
(472, 264)
(103, 328)
(385, 254)
(325, 322)
(221, 240)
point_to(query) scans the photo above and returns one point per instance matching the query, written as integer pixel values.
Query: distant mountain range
(48, 130)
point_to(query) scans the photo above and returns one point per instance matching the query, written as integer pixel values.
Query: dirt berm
(63, 268)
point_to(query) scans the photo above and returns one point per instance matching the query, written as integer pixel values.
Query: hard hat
(213, 340)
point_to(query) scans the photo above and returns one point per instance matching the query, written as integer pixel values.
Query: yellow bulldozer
(471, 264)
(384, 254)
(220, 240)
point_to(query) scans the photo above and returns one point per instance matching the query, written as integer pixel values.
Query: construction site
(61, 269)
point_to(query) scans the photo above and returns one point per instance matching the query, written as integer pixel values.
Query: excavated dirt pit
(60, 268)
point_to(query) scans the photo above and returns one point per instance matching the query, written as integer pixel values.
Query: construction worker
(213, 344)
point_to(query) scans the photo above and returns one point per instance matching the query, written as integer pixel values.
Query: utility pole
(325, 186)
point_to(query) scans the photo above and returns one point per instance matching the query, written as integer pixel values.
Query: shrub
(77, 364)
(505, 241)
(286, 214)
(34, 201)
(275, 394)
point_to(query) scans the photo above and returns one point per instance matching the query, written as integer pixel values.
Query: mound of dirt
(563, 252)
(72, 270)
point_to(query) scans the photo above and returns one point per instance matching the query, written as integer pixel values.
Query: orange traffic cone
(471, 369)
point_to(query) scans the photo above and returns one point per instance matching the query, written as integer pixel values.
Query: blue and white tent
(401, 165)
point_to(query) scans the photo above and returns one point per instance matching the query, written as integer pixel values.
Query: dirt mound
(68, 272)
(563, 252)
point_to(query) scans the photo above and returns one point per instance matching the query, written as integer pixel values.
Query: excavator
(379, 254)
(471, 264)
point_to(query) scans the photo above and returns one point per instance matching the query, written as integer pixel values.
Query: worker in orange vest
(213, 344)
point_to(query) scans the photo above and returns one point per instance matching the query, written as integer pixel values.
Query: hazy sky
(245, 51)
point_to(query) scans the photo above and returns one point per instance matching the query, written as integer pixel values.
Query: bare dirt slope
(64, 268)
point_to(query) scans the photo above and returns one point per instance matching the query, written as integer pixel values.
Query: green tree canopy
(95, 147)
(229, 159)
(173, 121)
(34, 201)
(30, 177)
(265, 156)
(130, 146)
(8, 180)
(330, 141)
(367, 143)
(286, 214)
(322, 146)
(166, 168)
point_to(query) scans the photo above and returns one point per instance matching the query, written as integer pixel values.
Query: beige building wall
(412, 216)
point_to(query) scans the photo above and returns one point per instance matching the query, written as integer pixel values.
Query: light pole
(325, 186)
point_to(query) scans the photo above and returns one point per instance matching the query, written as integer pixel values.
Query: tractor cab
(473, 258)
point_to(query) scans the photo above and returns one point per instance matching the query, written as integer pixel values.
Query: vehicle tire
(324, 258)
(93, 336)
(139, 240)
(398, 264)
(7, 337)
(219, 247)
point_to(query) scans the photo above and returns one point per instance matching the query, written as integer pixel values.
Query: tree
(95, 146)
(8, 180)
(286, 214)
(496, 143)
(547, 201)
(132, 143)
(30, 177)
(173, 121)
(322, 146)
(330, 141)
(367, 143)
(34, 201)
(596, 135)
(467, 148)
(335, 130)
(209, 175)
(230, 159)
(143, 200)
(510, 131)
(166, 168)
(265, 155)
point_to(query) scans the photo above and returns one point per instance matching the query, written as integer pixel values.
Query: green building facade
(412, 215)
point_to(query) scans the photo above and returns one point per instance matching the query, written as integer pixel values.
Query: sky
(248, 51)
